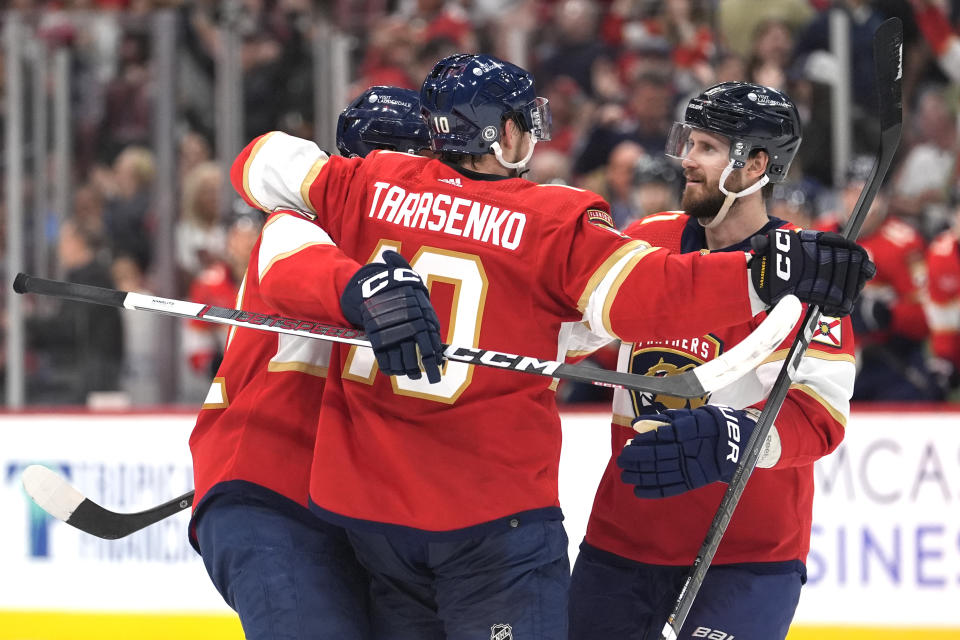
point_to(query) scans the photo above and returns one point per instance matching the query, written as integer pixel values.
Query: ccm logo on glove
(783, 261)
(377, 282)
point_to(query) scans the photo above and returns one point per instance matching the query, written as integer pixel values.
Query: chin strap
(732, 195)
(520, 166)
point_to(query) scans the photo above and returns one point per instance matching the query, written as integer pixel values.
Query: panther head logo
(661, 402)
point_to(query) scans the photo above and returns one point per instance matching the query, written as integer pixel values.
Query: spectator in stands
(199, 233)
(128, 189)
(140, 364)
(81, 343)
(793, 202)
(924, 180)
(577, 51)
(888, 319)
(217, 283)
(615, 181)
(657, 185)
(943, 305)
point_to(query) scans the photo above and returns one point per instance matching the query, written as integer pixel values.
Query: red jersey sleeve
(301, 269)
(814, 415)
(943, 307)
(640, 291)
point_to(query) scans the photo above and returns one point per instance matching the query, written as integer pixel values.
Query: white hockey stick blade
(51, 491)
(750, 353)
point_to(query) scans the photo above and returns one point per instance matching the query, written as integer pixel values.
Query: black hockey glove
(684, 449)
(820, 268)
(392, 305)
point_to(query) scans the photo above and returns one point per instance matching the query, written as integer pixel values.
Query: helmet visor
(537, 113)
(678, 142)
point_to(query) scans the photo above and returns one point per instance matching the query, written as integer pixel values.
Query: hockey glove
(820, 268)
(684, 449)
(391, 304)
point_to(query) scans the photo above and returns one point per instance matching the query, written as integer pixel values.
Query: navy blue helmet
(382, 118)
(752, 117)
(466, 98)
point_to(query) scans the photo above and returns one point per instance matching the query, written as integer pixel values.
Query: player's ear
(511, 134)
(757, 164)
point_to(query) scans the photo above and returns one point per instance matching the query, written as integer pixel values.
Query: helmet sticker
(489, 133)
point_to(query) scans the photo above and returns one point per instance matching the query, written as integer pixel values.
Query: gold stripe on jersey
(834, 413)
(303, 367)
(604, 268)
(618, 281)
(246, 168)
(780, 354)
(623, 421)
(275, 245)
(309, 178)
(660, 216)
(238, 305)
(217, 395)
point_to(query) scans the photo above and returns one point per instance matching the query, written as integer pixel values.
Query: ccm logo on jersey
(783, 261)
(733, 437)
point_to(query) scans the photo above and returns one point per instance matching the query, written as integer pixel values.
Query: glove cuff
(771, 450)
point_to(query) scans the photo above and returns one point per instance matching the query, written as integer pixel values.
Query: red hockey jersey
(508, 262)
(772, 522)
(898, 251)
(259, 418)
(943, 307)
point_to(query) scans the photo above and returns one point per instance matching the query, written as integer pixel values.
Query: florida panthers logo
(670, 358)
(661, 402)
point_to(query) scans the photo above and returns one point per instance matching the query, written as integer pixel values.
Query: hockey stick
(706, 378)
(888, 63)
(60, 499)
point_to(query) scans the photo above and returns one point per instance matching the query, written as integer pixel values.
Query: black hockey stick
(60, 499)
(888, 62)
(706, 378)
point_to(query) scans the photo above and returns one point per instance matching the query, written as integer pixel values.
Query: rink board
(884, 562)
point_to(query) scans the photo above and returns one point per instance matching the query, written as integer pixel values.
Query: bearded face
(706, 156)
(702, 197)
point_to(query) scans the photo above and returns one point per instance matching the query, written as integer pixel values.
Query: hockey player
(943, 307)
(287, 573)
(888, 320)
(660, 492)
(383, 118)
(448, 491)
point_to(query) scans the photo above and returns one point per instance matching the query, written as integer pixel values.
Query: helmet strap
(732, 195)
(521, 165)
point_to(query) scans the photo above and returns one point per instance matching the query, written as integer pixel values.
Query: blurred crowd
(616, 73)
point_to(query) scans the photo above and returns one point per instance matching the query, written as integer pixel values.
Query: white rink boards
(885, 546)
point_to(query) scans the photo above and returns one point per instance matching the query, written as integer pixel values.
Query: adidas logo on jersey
(454, 181)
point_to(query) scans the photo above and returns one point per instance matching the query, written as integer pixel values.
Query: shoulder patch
(827, 332)
(600, 218)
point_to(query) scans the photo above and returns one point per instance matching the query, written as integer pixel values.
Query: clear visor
(538, 115)
(678, 142)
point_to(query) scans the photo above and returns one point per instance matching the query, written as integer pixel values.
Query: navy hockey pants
(287, 574)
(613, 597)
(509, 585)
